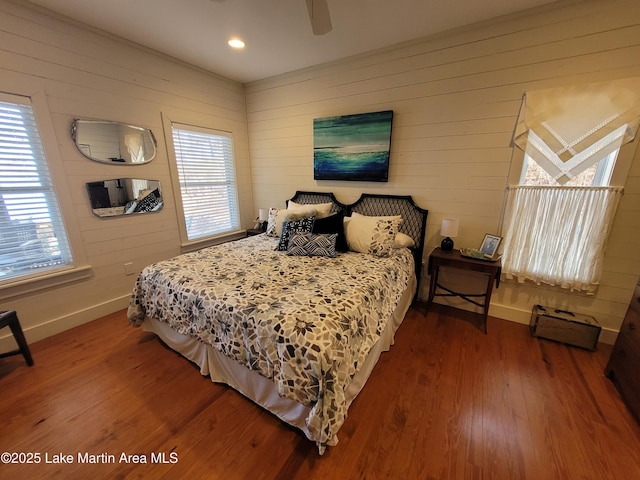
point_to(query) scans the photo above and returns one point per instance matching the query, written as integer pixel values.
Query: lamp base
(446, 245)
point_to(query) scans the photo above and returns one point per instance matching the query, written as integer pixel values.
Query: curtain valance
(566, 130)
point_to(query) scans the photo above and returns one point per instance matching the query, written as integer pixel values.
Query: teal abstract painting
(352, 147)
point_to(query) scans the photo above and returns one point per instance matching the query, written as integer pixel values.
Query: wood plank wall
(455, 98)
(87, 74)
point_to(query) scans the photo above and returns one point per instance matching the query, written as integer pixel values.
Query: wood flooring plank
(446, 401)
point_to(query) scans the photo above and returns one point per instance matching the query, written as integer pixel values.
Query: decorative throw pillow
(289, 227)
(383, 237)
(278, 216)
(403, 240)
(374, 235)
(313, 245)
(333, 224)
(274, 224)
(130, 206)
(148, 202)
(379, 217)
(322, 209)
(298, 213)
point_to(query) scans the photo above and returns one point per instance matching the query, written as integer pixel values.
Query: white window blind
(207, 179)
(32, 233)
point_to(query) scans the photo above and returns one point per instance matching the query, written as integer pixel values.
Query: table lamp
(263, 217)
(448, 229)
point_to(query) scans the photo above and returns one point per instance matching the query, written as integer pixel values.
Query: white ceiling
(277, 32)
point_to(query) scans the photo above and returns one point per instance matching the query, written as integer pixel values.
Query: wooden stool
(10, 319)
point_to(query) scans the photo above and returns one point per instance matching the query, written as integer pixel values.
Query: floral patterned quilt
(306, 323)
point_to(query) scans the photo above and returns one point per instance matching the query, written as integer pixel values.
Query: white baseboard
(57, 325)
(517, 315)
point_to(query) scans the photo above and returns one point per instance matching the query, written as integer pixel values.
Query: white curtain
(135, 146)
(568, 129)
(557, 235)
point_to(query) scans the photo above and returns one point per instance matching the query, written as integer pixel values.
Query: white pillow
(299, 213)
(373, 235)
(403, 240)
(389, 217)
(132, 207)
(322, 209)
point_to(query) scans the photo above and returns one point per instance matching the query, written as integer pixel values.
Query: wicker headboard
(414, 217)
(319, 197)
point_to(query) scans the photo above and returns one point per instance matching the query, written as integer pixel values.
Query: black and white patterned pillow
(383, 237)
(272, 223)
(313, 245)
(289, 227)
(148, 203)
(372, 235)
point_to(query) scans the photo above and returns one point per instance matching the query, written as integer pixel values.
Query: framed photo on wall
(352, 147)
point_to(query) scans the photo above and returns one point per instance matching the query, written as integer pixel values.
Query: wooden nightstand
(254, 231)
(454, 259)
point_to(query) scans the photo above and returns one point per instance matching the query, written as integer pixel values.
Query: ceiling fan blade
(319, 16)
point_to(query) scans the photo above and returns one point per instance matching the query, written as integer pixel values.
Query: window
(205, 165)
(558, 218)
(598, 175)
(556, 235)
(32, 234)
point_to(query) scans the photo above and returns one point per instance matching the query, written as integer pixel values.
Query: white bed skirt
(261, 390)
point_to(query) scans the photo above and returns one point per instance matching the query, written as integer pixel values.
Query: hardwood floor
(447, 402)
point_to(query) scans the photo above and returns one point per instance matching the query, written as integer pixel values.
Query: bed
(289, 318)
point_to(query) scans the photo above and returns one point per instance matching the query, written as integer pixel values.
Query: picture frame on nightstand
(490, 245)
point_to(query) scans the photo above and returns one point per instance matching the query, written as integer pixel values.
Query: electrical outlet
(128, 268)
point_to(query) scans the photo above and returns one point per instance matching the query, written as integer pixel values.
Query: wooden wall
(80, 73)
(455, 99)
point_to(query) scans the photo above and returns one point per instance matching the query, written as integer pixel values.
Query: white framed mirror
(113, 142)
(124, 196)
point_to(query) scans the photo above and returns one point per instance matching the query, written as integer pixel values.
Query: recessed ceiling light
(236, 43)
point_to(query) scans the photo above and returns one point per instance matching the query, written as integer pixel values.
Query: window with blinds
(32, 234)
(207, 179)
